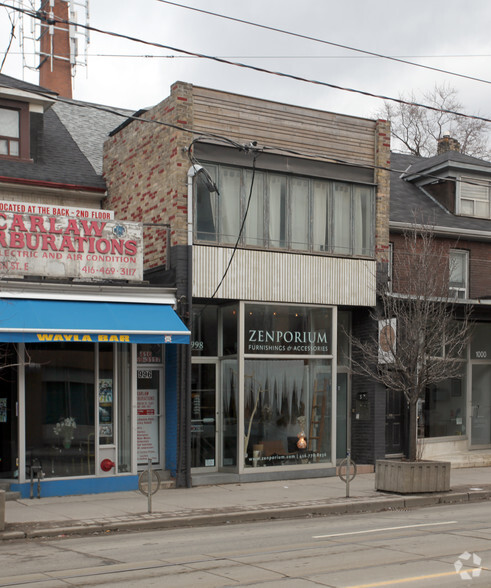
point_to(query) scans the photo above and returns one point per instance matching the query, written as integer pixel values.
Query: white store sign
(147, 426)
(67, 246)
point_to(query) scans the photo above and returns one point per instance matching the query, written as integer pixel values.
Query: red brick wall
(479, 263)
(145, 167)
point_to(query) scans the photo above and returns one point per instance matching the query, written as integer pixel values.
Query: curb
(32, 531)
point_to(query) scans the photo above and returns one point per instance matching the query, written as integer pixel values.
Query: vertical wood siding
(283, 277)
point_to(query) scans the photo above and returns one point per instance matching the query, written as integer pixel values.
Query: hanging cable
(323, 41)
(44, 17)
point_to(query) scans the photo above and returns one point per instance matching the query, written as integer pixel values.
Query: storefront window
(288, 330)
(60, 431)
(229, 330)
(344, 330)
(230, 400)
(443, 413)
(287, 412)
(481, 341)
(149, 353)
(204, 329)
(124, 405)
(106, 399)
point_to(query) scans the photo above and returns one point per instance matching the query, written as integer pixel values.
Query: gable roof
(15, 84)
(70, 141)
(408, 200)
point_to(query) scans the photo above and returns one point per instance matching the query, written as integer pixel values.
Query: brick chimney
(447, 143)
(55, 70)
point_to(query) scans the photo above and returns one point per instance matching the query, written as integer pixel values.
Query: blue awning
(29, 320)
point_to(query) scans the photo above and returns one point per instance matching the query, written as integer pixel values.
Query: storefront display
(278, 391)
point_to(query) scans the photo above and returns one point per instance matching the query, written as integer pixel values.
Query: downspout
(183, 474)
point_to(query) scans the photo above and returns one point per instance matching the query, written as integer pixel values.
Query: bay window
(285, 212)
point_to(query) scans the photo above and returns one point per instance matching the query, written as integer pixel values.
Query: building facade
(271, 221)
(451, 194)
(87, 346)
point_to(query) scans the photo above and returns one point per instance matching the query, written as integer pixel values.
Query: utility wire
(323, 41)
(44, 17)
(241, 147)
(12, 35)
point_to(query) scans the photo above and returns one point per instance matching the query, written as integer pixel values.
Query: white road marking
(383, 529)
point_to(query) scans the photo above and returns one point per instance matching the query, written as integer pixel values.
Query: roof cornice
(471, 234)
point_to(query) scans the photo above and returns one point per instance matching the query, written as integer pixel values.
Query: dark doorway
(8, 411)
(394, 423)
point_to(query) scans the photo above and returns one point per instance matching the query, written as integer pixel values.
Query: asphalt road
(417, 548)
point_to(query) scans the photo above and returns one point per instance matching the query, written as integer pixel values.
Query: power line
(242, 147)
(44, 17)
(323, 41)
(155, 56)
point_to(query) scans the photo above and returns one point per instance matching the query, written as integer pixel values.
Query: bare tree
(416, 130)
(421, 337)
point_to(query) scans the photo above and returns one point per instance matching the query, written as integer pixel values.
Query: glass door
(481, 405)
(204, 416)
(149, 417)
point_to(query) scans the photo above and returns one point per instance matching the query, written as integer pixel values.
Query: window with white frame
(285, 212)
(475, 195)
(458, 273)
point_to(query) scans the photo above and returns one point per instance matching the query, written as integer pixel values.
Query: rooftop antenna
(32, 30)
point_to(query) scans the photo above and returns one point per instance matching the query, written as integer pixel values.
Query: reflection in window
(254, 225)
(9, 132)
(60, 408)
(124, 407)
(287, 412)
(458, 272)
(285, 212)
(442, 413)
(277, 211)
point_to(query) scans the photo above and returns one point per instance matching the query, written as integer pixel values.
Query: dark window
(14, 129)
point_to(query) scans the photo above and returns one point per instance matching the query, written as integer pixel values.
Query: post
(149, 484)
(348, 470)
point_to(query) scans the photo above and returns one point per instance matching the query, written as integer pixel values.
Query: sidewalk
(222, 504)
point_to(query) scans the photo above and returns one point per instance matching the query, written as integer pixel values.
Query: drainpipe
(183, 473)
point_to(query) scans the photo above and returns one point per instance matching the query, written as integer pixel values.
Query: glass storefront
(287, 411)
(77, 397)
(443, 412)
(278, 391)
(60, 408)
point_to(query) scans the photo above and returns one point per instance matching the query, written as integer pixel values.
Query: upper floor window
(459, 273)
(475, 197)
(14, 129)
(285, 212)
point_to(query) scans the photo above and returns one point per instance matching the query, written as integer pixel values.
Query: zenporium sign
(70, 247)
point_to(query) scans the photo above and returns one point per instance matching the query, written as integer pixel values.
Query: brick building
(81, 333)
(451, 192)
(271, 221)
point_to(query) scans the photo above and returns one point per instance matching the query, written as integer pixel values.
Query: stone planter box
(411, 477)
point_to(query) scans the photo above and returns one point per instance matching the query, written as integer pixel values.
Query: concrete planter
(411, 477)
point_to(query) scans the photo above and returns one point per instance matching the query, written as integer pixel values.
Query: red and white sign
(69, 246)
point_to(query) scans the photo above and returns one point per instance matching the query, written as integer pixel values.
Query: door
(8, 414)
(204, 416)
(341, 416)
(481, 405)
(149, 416)
(394, 423)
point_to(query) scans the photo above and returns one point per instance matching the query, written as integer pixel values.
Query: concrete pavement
(222, 504)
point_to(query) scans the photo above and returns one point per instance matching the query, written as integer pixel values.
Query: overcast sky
(447, 34)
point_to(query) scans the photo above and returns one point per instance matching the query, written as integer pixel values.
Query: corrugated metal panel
(283, 277)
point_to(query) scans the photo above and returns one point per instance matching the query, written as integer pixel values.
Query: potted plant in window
(65, 430)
